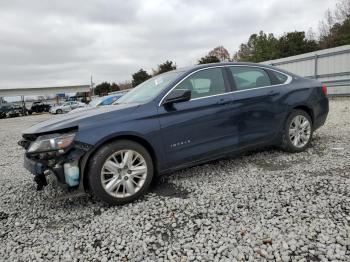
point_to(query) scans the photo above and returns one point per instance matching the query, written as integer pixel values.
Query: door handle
(273, 93)
(225, 101)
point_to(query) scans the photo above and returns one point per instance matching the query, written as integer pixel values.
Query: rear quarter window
(279, 78)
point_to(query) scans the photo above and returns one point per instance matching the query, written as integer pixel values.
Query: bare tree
(125, 85)
(326, 24)
(310, 34)
(221, 53)
(342, 11)
(333, 29)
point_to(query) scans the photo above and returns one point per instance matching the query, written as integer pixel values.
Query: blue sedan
(175, 120)
(101, 101)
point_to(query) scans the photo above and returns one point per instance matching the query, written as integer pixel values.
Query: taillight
(324, 89)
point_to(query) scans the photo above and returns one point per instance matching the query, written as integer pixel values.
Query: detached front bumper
(33, 167)
(43, 164)
(37, 170)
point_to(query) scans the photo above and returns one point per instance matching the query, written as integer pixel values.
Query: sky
(55, 43)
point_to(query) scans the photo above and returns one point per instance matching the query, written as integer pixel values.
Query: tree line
(334, 30)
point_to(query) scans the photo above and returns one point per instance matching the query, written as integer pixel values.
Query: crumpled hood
(82, 118)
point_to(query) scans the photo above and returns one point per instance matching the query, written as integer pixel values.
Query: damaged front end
(54, 153)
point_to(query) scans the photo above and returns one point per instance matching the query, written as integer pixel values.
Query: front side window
(249, 77)
(204, 83)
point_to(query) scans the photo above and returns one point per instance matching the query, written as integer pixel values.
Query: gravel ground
(266, 205)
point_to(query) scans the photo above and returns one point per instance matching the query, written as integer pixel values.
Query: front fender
(134, 136)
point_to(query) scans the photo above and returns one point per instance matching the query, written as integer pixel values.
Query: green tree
(339, 34)
(102, 89)
(208, 59)
(165, 67)
(139, 77)
(260, 47)
(335, 27)
(114, 87)
(343, 32)
(295, 43)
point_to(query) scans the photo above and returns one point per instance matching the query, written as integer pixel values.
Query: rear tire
(297, 132)
(120, 172)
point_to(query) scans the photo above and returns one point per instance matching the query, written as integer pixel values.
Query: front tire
(120, 172)
(297, 133)
(59, 111)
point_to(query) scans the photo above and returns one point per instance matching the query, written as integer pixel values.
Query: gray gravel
(266, 205)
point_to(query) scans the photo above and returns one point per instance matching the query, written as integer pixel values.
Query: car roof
(203, 66)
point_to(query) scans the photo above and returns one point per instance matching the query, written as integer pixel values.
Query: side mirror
(177, 96)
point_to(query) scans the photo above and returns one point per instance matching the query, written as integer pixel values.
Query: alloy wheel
(299, 131)
(124, 173)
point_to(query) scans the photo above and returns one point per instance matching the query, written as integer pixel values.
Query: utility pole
(91, 86)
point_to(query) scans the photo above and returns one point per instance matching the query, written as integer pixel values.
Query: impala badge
(180, 143)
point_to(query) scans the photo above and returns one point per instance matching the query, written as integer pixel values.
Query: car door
(204, 126)
(74, 105)
(66, 107)
(258, 98)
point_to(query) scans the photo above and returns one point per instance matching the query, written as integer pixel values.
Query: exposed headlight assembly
(51, 142)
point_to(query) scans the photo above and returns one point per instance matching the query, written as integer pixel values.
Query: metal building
(330, 66)
(36, 91)
(39, 91)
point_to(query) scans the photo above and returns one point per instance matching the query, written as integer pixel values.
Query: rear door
(258, 97)
(204, 126)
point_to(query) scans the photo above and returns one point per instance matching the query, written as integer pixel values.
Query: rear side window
(204, 83)
(249, 77)
(279, 77)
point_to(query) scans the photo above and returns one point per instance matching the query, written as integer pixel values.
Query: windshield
(149, 89)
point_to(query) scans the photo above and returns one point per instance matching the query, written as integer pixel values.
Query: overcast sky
(49, 43)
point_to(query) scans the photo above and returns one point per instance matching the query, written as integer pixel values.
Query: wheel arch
(307, 109)
(132, 137)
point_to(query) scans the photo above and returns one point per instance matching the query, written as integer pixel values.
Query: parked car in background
(39, 107)
(12, 110)
(5, 108)
(66, 107)
(174, 120)
(100, 101)
(18, 110)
